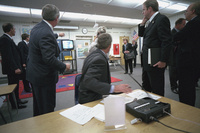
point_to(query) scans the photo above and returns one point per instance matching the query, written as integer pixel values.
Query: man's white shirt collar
(152, 17)
(8, 36)
(25, 41)
(48, 24)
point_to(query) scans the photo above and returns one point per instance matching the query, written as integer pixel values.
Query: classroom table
(5, 91)
(55, 123)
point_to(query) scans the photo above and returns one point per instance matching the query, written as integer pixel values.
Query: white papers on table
(99, 112)
(82, 114)
(126, 99)
(139, 94)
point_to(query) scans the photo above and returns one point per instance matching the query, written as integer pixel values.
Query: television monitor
(67, 44)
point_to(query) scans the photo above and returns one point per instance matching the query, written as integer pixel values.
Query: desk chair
(77, 83)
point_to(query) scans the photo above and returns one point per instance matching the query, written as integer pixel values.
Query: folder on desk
(154, 55)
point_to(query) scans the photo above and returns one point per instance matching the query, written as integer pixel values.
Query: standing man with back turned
(23, 48)
(156, 35)
(11, 62)
(188, 55)
(173, 78)
(42, 63)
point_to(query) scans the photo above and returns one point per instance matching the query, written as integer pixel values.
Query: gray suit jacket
(156, 35)
(95, 80)
(42, 64)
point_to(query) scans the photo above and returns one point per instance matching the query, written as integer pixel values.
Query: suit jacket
(95, 80)
(172, 56)
(129, 48)
(23, 48)
(135, 49)
(10, 55)
(42, 64)
(156, 35)
(188, 55)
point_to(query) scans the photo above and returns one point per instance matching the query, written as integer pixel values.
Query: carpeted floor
(65, 83)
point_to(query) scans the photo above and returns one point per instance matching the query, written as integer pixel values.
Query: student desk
(55, 123)
(115, 60)
(5, 91)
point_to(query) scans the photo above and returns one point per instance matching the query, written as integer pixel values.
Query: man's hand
(126, 52)
(61, 34)
(144, 21)
(18, 71)
(125, 88)
(160, 64)
(67, 66)
(24, 65)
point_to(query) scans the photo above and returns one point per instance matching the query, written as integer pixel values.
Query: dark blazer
(95, 80)
(188, 52)
(156, 35)
(129, 48)
(10, 55)
(23, 48)
(135, 49)
(172, 56)
(42, 64)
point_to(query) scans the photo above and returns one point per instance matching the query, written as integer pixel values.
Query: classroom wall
(71, 34)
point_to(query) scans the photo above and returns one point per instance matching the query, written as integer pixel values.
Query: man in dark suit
(179, 24)
(95, 80)
(11, 62)
(23, 48)
(188, 55)
(127, 48)
(156, 35)
(135, 45)
(42, 64)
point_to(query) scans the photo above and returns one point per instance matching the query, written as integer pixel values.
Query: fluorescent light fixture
(14, 9)
(132, 21)
(36, 12)
(178, 7)
(133, 1)
(163, 4)
(76, 15)
(66, 27)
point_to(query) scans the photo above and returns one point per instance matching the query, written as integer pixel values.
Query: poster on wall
(82, 51)
(26, 30)
(116, 49)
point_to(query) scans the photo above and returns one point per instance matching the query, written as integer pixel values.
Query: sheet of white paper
(149, 56)
(98, 112)
(80, 114)
(139, 94)
(127, 99)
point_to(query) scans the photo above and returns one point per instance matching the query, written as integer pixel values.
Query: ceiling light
(178, 7)
(163, 4)
(76, 15)
(36, 12)
(133, 1)
(66, 27)
(14, 9)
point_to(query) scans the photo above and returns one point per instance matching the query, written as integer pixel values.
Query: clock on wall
(84, 31)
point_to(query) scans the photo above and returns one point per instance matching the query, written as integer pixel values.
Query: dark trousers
(128, 63)
(153, 81)
(173, 77)
(44, 98)
(25, 82)
(14, 79)
(135, 59)
(188, 78)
